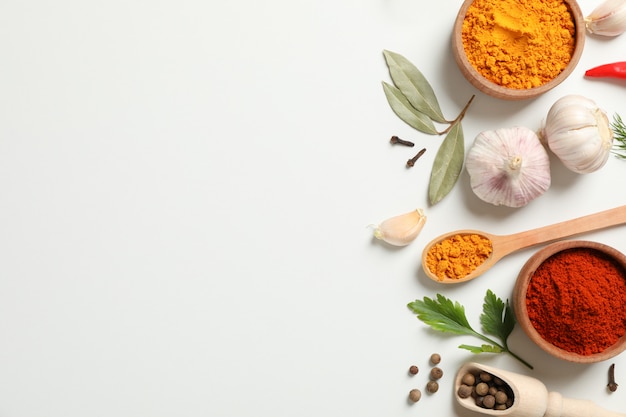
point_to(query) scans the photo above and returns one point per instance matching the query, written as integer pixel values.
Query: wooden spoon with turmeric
(503, 245)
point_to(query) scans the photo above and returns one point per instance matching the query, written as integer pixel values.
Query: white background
(185, 193)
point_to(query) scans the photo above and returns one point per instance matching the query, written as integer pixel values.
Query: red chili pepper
(612, 70)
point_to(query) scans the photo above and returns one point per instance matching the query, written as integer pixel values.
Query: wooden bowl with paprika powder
(513, 52)
(570, 300)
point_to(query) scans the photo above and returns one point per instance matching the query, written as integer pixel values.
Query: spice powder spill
(457, 256)
(519, 44)
(576, 300)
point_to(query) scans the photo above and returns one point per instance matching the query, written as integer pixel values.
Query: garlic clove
(508, 167)
(607, 19)
(401, 230)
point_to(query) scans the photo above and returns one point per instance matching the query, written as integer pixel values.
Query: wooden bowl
(495, 90)
(521, 311)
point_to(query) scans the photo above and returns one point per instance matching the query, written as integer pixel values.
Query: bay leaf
(415, 87)
(447, 165)
(405, 111)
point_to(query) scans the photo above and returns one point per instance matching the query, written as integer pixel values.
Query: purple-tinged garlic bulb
(508, 167)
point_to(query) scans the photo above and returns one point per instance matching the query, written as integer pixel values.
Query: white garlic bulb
(579, 133)
(401, 230)
(508, 167)
(608, 19)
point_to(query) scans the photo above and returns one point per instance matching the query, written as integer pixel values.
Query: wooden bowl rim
(521, 312)
(498, 91)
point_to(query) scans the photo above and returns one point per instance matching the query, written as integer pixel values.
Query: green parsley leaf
(482, 348)
(442, 315)
(497, 318)
(445, 315)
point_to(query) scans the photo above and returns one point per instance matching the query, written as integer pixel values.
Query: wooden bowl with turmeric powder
(570, 300)
(510, 50)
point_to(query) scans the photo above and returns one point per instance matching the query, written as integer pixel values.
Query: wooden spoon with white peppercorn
(530, 397)
(504, 245)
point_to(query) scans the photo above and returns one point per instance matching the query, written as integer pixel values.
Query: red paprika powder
(576, 300)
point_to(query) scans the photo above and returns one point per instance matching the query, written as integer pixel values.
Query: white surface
(185, 190)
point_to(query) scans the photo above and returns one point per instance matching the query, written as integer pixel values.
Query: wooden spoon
(507, 244)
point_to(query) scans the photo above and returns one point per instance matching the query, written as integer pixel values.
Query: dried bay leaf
(413, 85)
(447, 165)
(413, 99)
(403, 109)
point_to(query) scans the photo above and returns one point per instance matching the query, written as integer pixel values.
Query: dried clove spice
(396, 140)
(612, 385)
(413, 160)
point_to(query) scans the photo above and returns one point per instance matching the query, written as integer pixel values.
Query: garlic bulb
(579, 133)
(608, 19)
(508, 167)
(401, 230)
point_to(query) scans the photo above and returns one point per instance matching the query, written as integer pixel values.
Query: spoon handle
(583, 408)
(588, 223)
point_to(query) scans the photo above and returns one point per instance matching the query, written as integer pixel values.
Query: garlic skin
(607, 19)
(579, 133)
(508, 167)
(401, 230)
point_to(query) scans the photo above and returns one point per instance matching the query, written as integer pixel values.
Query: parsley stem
(504, 348)
(520, 359)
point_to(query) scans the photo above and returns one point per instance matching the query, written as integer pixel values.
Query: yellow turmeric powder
(457, 256)
(519, 44)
